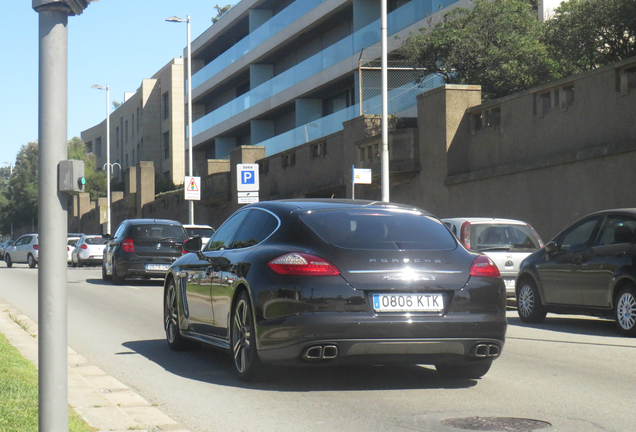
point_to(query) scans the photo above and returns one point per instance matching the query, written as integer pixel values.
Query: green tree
(497, 45)
(95, 179)
(586, 34)
(21, 195)
(220, 10)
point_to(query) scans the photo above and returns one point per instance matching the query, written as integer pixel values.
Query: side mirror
(193, 244)
(107, 236)
(550, 247)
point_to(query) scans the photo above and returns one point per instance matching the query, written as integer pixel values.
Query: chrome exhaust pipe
(484, 350)
(493, 350)
(313, 353)
(330, 352)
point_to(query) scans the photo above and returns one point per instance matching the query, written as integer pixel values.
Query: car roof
(309, 204)
(151, 221)
(478, 220)
(196, 226)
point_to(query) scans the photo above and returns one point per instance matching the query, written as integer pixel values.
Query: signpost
(359, 176)
(192, 188)
(247, 183)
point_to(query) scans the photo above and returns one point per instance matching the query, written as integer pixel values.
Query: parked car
(142, 248)
(203, 231)
(3, 247)
(316, 282)
(589, 268)
(506, 241)
(24, 250)
(70, 247)
(89, 249)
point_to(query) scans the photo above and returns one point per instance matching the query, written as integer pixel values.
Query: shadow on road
(131, 282)
(573, 324)
(215, 367)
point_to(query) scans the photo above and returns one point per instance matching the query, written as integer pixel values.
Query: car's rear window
(380, 229)
(157, 232)
(493, 236)
(95, 240)
(201, 232)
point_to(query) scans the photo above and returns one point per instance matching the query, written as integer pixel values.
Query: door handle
(620, 254)
(577, 259)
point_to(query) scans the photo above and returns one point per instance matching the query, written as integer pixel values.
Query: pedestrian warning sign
(192, 188)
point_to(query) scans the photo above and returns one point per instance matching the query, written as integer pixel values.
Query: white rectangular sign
(247, 177)
(362, 176)
(247, 197)
(192, 188)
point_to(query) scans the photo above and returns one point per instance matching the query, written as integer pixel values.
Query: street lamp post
(108, 165)
(187, 20)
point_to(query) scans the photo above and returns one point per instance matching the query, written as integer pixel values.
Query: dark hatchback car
(318, 282)
(589, 268)
(142, 248)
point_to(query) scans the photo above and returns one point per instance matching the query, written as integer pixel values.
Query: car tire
(529, 306)
(31, 261)
(625, 311)
(247, 365)
(176, 342)
(7, 260)
(464, 370)
(105, 276)
(116, 278)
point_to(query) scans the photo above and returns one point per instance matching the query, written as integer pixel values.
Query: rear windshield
(504, 236)
(156, 232)
(95, 240)
(201, 232)
(380, 229)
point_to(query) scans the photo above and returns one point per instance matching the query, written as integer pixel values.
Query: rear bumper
(373, 339)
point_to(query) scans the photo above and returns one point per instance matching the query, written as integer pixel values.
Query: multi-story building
(147, 126)
(281, 73)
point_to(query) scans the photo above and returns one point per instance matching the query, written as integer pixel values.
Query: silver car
(24, 250)
(506, 241)
(89, 249)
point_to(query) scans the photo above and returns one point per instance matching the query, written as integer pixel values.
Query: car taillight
(301, 264)
(464, 234)
(128, 245)
(183, 251)
(35, 247)
(84, 246)
(484, 267)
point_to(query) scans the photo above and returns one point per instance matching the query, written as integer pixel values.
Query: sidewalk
(104, 402)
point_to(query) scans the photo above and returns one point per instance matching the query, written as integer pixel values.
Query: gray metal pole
(385, 108)
(190, 115)
(52, 275)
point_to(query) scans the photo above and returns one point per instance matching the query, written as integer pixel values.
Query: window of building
(138, 152)
(165, 101)
(126, 132)
(318, 150)
(98, 146)
(487, 119)
(126, 159)
(288, 159)
(166, 145)
(338, 101)
(242, 88)
(133, 126)
(117, 137)
(263, 168)
(137, 120)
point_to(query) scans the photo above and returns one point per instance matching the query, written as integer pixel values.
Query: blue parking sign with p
(247, 177)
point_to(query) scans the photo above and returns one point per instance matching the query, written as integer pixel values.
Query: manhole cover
(505, 424)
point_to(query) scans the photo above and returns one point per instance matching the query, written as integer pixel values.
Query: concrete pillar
(223, 146)
(145, 185)
(258, 17)
(364, 13)
(130, 181)
(260, 73)
(261, 130)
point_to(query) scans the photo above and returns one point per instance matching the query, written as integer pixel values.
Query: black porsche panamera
(320, 282)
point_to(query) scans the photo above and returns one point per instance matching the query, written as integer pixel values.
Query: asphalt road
(575, 373)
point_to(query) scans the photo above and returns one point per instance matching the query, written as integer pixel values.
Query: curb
(105, 403)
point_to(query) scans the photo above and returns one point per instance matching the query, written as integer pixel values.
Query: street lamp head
(96, 86)
(176, 19)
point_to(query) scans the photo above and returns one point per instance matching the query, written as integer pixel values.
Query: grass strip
(19, 394)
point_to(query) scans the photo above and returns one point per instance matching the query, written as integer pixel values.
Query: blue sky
(114, 42)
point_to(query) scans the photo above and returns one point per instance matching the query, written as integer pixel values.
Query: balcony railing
(399, 19)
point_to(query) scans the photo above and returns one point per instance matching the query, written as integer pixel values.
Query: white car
(24, 250)
(89, 249)
(70, 247)
(506, 241)
(203, 231)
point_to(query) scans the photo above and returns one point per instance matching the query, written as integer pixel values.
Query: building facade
(147, 126)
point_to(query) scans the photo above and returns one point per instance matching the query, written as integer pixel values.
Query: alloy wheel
(525, 302)
(626, 311)
(171, 315)
(241, 334)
